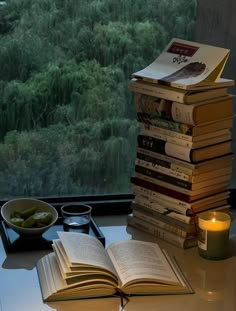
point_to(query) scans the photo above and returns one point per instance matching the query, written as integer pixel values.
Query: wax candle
(213, 235)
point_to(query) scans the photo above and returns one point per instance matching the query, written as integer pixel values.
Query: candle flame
(213, 220)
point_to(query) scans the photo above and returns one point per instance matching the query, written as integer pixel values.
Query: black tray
(14, 243)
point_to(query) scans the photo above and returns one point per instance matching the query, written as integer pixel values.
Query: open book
(80, 267)
(188, 65)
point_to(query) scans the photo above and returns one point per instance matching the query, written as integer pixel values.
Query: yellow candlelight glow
(215, 221)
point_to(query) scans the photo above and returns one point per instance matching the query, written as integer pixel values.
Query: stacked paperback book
(183, 162)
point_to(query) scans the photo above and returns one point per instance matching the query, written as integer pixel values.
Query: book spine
(165, 148)
(157, 232)
(184, 221)
(215, 185)
(182, 166)
(167, 138)
(165, 161)
(155, 91)
(163, 177)
(163, 170)
(159, 197)
(158, 110)
(170, 125)
(163, 225)
(158, 206)
(163, 190)
(153, 129)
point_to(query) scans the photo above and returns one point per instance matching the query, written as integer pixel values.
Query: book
(187, 65)
(223, 170)
(181, 231)
(175, 94)
(165, 206)
(187, 222)
(202, 191)
(183, 153)
(177, 204)
(178, 128)
(154, 109)
(154, 130)
(185, 184)
(183, 166)
(162, 234)
(185, 140)
(128, 267)
(140, 181)
(185, 228)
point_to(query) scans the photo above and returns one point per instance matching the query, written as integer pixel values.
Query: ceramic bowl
(22, 204)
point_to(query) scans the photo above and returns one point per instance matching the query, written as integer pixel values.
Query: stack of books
(184, 159)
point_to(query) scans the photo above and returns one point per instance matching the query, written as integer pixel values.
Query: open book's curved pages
(80, 267)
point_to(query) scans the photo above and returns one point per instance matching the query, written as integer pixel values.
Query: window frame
(114, 204)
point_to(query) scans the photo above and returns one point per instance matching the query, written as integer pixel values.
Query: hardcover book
(181, 205)
(203, 191)
(178, 129)
(181, 152)
(188, 185)
(175, 94)
(223, 170)
(80, 267)
(156, 110)
(183, 166)
(187, 65)
(150, 184)
(185, 140)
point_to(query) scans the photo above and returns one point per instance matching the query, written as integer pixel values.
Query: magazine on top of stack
(188, 65)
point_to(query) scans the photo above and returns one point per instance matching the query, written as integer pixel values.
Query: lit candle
(213, 235)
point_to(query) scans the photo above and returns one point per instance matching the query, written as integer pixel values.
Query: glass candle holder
(213, 235)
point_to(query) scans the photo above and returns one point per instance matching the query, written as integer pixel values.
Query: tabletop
(214, 282)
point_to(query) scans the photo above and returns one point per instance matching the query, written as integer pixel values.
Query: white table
(214, 282)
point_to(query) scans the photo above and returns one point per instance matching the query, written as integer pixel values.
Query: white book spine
(184, 143)
(162, 169)
(165, 132)
(157, 232)
(170, 139)
(160, 224)
(212, 186)
(159, 206)
(174, 163)
(153, 90)
(159, 197)
(170, 214)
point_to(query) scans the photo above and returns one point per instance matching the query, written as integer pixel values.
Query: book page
(85, 249)
(138, 260)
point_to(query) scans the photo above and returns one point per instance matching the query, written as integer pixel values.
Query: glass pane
(68, 125)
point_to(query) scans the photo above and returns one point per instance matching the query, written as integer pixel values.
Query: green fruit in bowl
(17, 221)
(30, 218)
(43, 218)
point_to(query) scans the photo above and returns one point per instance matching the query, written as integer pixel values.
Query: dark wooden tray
(14, 243)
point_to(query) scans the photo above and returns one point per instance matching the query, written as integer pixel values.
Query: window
(68, 125)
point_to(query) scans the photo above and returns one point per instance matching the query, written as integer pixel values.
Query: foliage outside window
(68, 125)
